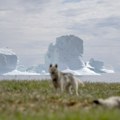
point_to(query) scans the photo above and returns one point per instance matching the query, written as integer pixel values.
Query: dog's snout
(52, 73)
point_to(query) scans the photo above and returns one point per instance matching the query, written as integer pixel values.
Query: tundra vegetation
(34, 100)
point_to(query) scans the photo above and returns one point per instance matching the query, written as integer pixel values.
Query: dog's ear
(56, 65)
(50, 65)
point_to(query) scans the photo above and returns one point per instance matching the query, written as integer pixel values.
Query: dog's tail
(81, 82)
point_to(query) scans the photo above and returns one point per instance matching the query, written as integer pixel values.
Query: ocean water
(108, 78)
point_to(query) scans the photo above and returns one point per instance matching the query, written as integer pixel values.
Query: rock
(66, 52)
(8, 60)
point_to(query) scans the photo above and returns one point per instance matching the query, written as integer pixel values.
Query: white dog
(64, 81)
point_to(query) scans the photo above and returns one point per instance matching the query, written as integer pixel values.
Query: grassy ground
(34, 100)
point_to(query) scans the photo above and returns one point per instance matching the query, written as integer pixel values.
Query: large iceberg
(67, 52)
(8, 60)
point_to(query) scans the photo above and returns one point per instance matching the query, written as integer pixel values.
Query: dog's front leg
(61, 86)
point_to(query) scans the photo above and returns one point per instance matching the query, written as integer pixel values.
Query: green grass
(37, 100)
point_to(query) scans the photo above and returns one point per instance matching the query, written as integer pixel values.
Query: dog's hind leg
(76, 91)
(75, 86)
(69, 89)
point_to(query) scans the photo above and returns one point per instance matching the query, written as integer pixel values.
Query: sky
(29, 26)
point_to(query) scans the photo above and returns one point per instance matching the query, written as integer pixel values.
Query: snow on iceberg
(107, 70)
(16, 72)
(6, 51)
(86, 71)
(82, 71)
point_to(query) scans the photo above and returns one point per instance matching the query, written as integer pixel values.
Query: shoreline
(106, 78)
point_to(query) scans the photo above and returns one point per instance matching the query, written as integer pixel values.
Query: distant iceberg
(98, 66)
(8, 60)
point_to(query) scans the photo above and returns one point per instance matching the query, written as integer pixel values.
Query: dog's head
(53, 69)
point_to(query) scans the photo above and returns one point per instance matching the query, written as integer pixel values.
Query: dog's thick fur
(64, 81)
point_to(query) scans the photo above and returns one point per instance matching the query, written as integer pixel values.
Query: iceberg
(8, 60)
(66, 51)
(98, 66)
